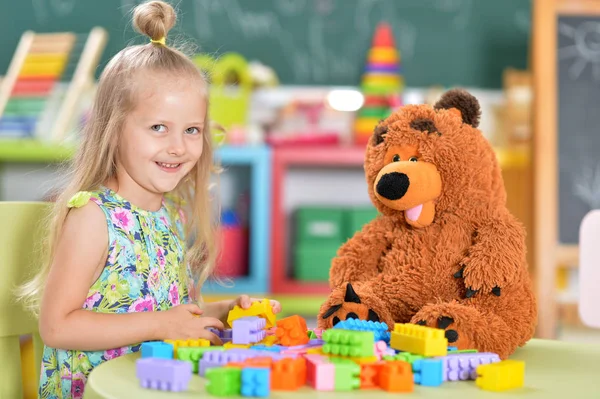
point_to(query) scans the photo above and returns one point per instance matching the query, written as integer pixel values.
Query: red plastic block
(396, 377)
(291, 331)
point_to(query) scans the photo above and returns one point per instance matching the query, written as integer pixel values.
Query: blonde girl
(120, 270)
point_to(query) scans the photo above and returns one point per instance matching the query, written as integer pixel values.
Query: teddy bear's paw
(352, 307)
(453, 332)
(470, 291)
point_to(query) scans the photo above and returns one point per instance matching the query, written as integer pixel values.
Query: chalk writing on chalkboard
(584, 49)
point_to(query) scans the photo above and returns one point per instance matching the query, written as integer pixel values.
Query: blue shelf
(258, 159)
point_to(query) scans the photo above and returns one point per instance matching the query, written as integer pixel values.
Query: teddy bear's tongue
(414, 213)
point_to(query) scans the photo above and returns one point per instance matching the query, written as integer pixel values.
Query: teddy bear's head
(423, 161)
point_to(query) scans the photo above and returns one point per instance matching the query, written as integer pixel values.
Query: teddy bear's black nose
(393, 185)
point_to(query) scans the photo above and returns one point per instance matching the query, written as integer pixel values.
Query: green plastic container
(313, 261)
(357, 218)
(320, 226)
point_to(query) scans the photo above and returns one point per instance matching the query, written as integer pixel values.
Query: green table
(552, 370)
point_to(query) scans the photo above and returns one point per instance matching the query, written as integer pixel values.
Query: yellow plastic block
(229, 345)
(261, 309)
(501, 376)
(269, 340)
(420, 340)
(177, 343)
(315, 351)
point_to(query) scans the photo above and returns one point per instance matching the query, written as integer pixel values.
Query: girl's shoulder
(175, 205)
(101, 196)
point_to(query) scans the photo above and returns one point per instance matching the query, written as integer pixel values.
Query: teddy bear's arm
(358, 258)
(497, 257)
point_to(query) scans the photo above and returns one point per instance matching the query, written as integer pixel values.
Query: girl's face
(162, 137)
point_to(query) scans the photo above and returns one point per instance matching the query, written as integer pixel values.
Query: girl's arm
(79, 259)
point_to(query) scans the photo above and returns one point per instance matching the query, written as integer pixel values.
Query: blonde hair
(94, 163)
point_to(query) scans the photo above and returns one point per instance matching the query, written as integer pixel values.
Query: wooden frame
(547, 253)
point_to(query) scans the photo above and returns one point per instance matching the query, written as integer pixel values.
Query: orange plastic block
(396, 377)
(288, 374)
(261, 309)
(369, 375)
(291, 331)
(177, 343)
(259, 361)
(239, 365)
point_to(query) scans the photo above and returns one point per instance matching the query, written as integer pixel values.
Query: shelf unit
(33, 151)
(283, 159)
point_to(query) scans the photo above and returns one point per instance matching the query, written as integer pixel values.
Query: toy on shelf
(233, 259)
(381, 83)
(231, 86)
(46, 83)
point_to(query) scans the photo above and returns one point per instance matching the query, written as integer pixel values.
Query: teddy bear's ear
(379, 133)
(464, 102)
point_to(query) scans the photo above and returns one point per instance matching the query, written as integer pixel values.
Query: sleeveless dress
(142, 274)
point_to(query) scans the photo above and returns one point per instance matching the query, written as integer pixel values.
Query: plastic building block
(369, 375)
(347, 376)
(404, 356)
(269, 340)
(194, 354)
(501, 376)
(261, 309)
(224, 381)
(261, 347)
(157, 349)
(220, 358)
(420, 340)
(396, 376)
(248, 330)
(288, 374)
(164, 374)
(256, 382)
(452, 348)
(231, 345)
(463, 366)
(348, 343)
(225, 335)
(291, 331)
(320, 374)
(380, 330)
(193, 343)
(380, 349)
(428, 372)
(311, 334)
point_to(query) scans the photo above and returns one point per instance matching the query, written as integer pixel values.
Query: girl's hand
(244, 301)
(184, 322)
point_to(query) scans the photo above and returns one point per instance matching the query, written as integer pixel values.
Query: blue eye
(192, 130)
(159, 128)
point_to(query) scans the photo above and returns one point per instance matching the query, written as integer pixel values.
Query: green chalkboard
(447, 42)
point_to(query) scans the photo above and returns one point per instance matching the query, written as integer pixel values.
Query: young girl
(119, 270)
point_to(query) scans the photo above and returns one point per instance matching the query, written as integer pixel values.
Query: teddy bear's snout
(393, 185)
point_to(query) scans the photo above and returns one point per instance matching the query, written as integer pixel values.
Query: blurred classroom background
(297, 87)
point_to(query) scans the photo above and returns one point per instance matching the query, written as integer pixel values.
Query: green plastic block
(464, 351)
(320, 225)
(357, 218)
(404, 356)
(313, 261)
(348, 343)
(194, 354)
(311, 334)
(347, 376)
(224, 381)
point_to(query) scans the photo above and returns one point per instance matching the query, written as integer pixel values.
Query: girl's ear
(463, 103)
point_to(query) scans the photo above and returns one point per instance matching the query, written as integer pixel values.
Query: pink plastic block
(381, 349)
(248, 330)
(319, 374)
(164, 374)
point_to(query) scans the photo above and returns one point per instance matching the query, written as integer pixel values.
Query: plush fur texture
(445, 251)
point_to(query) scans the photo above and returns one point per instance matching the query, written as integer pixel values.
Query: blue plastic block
(452, 348)
(428, 372)
(274, 348)
(158, 349)
(379, 329)
(256, 382)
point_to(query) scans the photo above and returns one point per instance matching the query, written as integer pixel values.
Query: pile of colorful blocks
(261, 354)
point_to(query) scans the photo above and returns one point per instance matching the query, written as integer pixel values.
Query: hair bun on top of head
(154, 19)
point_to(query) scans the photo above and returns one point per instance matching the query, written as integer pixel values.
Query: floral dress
(142, 274)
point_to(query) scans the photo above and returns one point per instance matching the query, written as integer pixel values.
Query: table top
(553, 369)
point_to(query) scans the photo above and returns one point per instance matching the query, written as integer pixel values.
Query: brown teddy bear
(445, 251)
